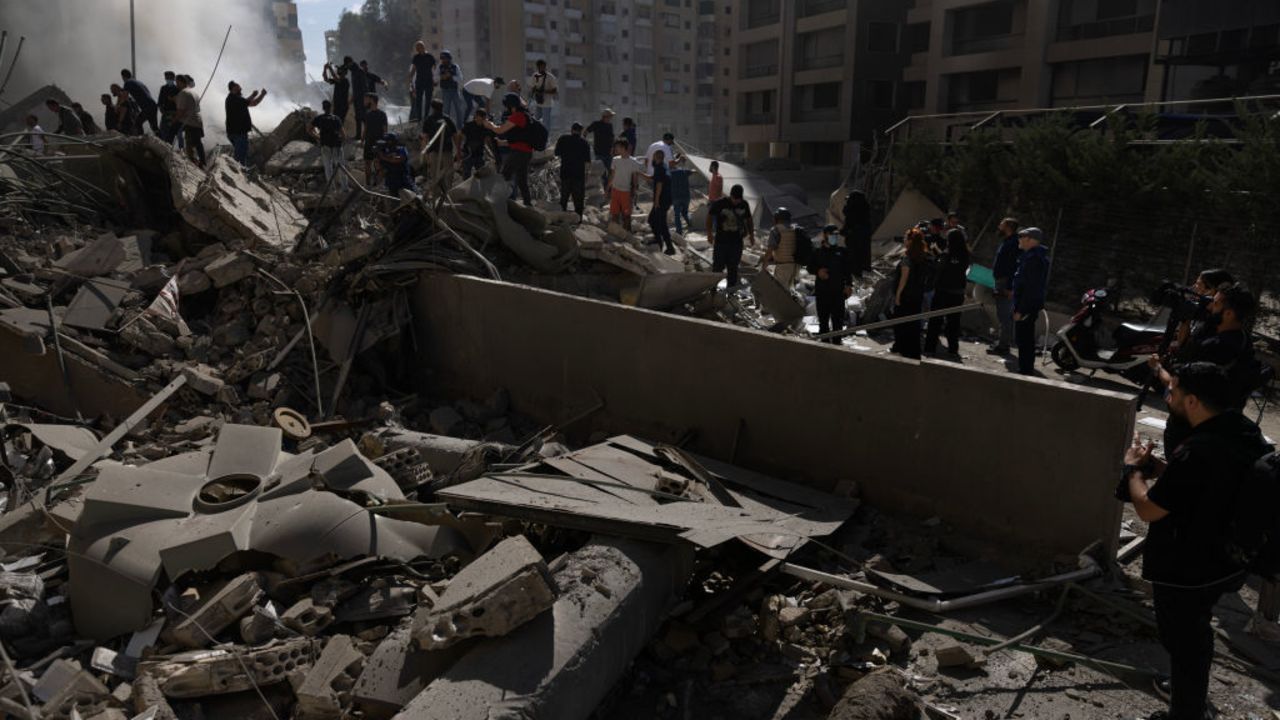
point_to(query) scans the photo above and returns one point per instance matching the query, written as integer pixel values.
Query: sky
(314, 17)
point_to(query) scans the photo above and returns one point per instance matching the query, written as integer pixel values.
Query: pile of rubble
(226, 492)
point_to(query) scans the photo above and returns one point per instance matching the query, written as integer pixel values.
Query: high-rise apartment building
(813, 79)
(1217, 48)
(291, 60)
(432, 14)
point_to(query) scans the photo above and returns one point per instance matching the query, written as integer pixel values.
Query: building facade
(1217, 48)
(291, 59)
(812, 80)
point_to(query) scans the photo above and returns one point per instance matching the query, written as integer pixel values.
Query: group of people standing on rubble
(173, 115)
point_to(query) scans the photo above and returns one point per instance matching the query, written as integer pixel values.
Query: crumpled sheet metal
(70, 440)
(171, 517)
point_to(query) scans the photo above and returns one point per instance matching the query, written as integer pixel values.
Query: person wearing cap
(438, 153)
(668, 151)
(729, 224)
(575, 155)
(519, 152)
(396, 170)
(239, 122)
(1030, 285)
(786, 248)
(602, 144)
(544, 92)
(451, 87)
(376, 125)
(831, 266)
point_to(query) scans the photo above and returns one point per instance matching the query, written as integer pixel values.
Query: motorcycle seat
(1129, 332)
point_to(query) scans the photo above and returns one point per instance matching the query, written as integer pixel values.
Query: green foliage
(382, 32)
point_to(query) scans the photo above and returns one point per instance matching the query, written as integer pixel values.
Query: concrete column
(559, 666)
(1040, 20)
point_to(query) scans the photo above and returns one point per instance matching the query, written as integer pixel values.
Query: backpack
(1253, 534)
(536, 134)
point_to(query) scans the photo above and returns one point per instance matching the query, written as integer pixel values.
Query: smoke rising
(81, 46)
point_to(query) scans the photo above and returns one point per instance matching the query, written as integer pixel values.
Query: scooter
(1079, 345)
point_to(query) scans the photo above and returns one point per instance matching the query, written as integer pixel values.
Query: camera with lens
(1184, 302)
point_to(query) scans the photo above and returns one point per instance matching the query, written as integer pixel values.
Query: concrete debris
(200, 673)
(307, 618)
(878, 696)
(503, 589)
(196, 629)
(326, 691)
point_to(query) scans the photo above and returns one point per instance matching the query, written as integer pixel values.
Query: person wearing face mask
(832, 266)
(1225, 343)
(788, 246)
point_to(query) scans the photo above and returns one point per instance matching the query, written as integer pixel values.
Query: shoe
(669, 251)
(998, 350)
(1263, 629)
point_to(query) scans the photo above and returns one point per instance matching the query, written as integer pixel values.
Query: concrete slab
(614, 595)
(1046, 494)
(499, 591)
(327, 689)
(201, 673)
(95, 303)
(398, 670)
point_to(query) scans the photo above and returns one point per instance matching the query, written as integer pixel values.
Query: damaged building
(272, 450)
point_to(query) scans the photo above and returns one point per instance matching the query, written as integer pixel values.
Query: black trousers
(658, 223)
(516, 168)
(1024, 334)
(906, 336)
(1183, 622)
(831, 312)
(195, 139)
(573, 187)
(941, 301)
(726, 257)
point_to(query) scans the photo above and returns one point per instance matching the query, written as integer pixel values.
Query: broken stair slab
(498, 592)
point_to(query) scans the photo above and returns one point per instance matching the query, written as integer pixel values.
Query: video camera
(1185, 302)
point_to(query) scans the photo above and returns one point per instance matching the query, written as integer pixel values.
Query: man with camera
(1224, 342)
(1190, 504)
(544, 92)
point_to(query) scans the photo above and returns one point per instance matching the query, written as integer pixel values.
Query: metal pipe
(133, 43)
(16, 54)
(944, 606)
(898, 321)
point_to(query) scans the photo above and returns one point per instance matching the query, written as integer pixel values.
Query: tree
(382, 32)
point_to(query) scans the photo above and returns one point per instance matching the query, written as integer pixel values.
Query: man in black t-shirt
(438, 153)
(729, 223)
(476, 136)
(421, 83)
(602, 144)
(574, 154)
(1190, 508)
(326, 128)
(239, 123)
(375, 126)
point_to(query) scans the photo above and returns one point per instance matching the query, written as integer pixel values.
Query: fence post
(1186, 273)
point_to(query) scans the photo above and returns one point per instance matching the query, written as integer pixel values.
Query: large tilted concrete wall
(1028, 464)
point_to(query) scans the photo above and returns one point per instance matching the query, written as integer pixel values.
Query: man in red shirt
(520, 152)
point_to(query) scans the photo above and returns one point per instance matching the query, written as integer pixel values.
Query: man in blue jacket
(1002, 270)
(1030, 284)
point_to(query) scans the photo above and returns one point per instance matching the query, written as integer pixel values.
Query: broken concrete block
(257, 627)
(306, 617)
(229, 269)
(194, 281)
(199, 673)
(956, 655)
(327, 689)
(378, 603)
(398, 670)
(230, 205)
(149, 701)
(297, 156)
(203, 379)
(499, 591)
(82, 693)
(60, 673)
(880, 695)
(22, 597)
(897, 639)
(199, 626)
(1051, 663)
(789, 616)
(97, 258)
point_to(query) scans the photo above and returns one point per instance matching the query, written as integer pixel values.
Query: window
(982, 28)
(983, 90)
(916, 37)
(913, 94)
(760, 13)
(1101, 81)
(882, 37)
(760, 59)
(805, 8)
(670, 86)
(756, 108)
(820, 49)
(671, 20)
(880, 94)
(1090, 19)
(815, 103)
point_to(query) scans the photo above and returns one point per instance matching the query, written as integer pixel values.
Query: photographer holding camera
(1225, 342)
(1190, 508)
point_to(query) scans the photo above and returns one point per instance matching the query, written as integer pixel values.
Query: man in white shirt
(668, 152)
(623, 173)
(35, 134)
(543, 93)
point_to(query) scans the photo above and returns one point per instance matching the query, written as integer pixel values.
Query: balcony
(760, 118)
(819, 62)
(756, 71)
(1107, 28)
(988, 43)
(535, 33)
(537, 7)
(572, 14)
(806, 8)
(573, 60)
